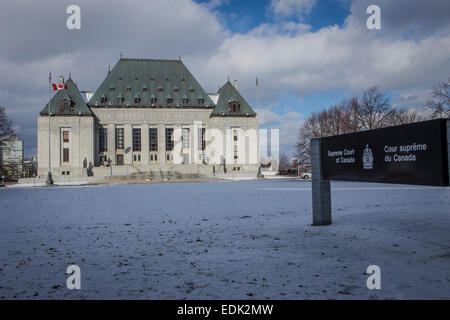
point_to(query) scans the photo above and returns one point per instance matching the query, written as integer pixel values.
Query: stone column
(145, 148)
(161, 144)
(321, 193)
(111, 128)
(128, 140)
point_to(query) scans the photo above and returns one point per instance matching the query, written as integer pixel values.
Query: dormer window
(103, 99)
(67, 105)
(191, 90)
(153, 100)
(111, 89)
(235, 107)
(144, 89)
(176, 90)
(201, 101)
(137, 99)
(120, 100)
(169, 100)
(185, 100)
(160, 89)
(128, 89)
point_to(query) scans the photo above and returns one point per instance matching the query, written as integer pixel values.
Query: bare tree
(405, 116)
(374, 110)
(284, 161)
(440, 100)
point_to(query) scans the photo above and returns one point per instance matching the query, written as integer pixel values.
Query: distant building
(148, 116)
(11, 158)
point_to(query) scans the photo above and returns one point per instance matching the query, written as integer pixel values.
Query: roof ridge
(142, 59)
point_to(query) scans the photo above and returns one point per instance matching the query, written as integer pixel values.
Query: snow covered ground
(224, 240)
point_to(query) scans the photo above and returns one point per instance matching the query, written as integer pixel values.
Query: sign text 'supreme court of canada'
(411, 154)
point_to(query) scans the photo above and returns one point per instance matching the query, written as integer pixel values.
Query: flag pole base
(49, 180)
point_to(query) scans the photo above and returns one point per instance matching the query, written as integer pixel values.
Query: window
(153, 139)
(169, 141)
(144, 89)
(153, 100)
(201, 139)
(201, 101)
(120, 99)
(235, 135)
(160, 89)
(67, 105)
(136, 139)
(103, 99)
(102, 140)
(185, 100)
(169, 100)
(234, 107)
(119, 161)
(65, 136)
(111, 89)
(176, 89)
(137, 99)
(119, 139)
(235, 152)
(186, 133)
(191, 90)
(128, 89)
(66, 155)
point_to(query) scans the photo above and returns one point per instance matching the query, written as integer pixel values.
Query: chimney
(236, 85)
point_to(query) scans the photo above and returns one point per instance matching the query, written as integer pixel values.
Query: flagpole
(257, 93)
(49, 181)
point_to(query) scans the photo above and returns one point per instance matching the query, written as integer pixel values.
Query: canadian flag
(60, 84)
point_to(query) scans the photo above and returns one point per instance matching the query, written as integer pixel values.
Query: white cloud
(289, 8)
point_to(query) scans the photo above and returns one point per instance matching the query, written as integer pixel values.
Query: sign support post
(321, 193)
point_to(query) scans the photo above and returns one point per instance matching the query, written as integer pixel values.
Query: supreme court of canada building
(147, 116)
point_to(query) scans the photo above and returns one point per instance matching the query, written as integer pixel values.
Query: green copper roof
(76, 105)
(161, 79)
(228, 94)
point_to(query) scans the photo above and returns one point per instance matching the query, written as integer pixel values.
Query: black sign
(414, 153)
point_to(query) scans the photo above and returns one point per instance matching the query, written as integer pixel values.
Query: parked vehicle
(288, 172)
(305, 175)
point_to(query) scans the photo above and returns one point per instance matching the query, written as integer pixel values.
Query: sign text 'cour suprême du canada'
(414, 153)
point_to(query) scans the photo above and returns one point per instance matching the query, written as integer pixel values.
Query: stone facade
(101, 139)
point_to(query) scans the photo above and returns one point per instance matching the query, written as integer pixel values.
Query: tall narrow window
(186, 137)
(119, 139)
(201, 139)
(119, 159)
(65, 136)
(136, 139)
(153, 139)
(66, 155)
(102, 140)
(169, 141)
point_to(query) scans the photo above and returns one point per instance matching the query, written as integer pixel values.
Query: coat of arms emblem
(367, 158)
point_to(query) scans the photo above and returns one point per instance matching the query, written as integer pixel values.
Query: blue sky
(242, 16)
(307, 54)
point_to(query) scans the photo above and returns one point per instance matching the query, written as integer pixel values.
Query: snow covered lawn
(224, 240)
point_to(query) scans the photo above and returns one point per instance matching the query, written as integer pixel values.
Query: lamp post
(49, 180)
